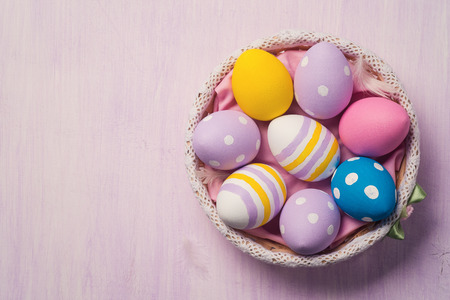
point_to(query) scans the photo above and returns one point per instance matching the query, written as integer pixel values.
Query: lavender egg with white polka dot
(364, 189)
(226, 140)
(309, 221)
(323, 81)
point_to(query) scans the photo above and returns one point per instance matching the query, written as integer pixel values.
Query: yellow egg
(261, 85)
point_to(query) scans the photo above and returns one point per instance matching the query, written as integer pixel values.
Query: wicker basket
(272, 252)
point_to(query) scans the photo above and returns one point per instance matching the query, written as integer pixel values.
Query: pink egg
(226, 140)
(373, 126)
(309, 221)
(323, 81)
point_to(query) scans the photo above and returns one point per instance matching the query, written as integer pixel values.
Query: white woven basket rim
(281, 41)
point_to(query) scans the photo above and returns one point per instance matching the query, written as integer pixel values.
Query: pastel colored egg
(261, 85)
(323, 81)
(251, 196)
(303, 147)
(226, 140)
(309, 221)
(373, 126)
(364, 189)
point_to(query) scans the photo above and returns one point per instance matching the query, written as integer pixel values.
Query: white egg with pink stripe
(251, 196)
(303, 147)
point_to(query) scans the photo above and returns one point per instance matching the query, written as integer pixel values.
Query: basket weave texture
(283, 41)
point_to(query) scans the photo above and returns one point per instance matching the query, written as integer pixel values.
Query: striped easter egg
(251, 196)
(303, 147)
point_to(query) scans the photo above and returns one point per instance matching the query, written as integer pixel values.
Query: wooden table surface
(94, 197)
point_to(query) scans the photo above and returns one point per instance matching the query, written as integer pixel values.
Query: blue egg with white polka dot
(364, 189)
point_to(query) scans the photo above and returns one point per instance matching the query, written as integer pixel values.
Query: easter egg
(364, 189)
(323, 81)
(303, 147)
(309, 221)
(261, 85)
(226, 140)
(373, 126)
(251, 196)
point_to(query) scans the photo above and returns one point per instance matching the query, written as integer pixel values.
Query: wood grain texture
(94, 101)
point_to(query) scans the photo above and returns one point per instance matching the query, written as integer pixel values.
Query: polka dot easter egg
(309, 221)
(226, 140)
(364, 189)
(261, 85)
(303, 147)
(323, 81)
(251, 196)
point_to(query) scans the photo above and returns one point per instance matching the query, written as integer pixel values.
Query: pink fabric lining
(224, 100)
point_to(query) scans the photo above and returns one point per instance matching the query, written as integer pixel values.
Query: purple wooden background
(94, 198)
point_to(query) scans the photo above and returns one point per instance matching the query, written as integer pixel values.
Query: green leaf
(396, 231)
(417, 195)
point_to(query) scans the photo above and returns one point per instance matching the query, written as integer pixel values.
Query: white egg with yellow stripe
(251, 196)
(303, 147)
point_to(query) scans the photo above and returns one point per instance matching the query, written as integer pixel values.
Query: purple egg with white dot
(309, 221)
(323, 83)
(226, 140)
